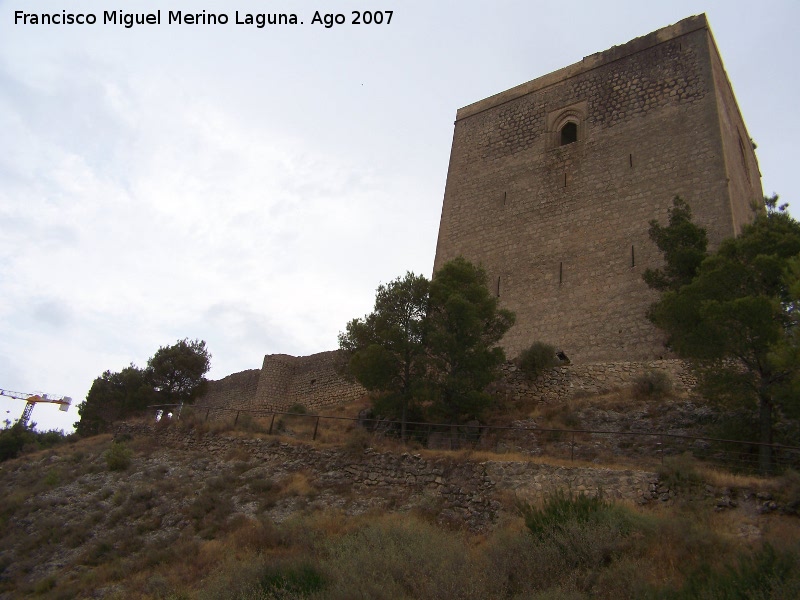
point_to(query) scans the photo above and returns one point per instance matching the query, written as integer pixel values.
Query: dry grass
(725, 479)
(297, 484)
(326, 554)
(221, 552)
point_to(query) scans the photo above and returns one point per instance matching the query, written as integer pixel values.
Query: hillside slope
(216, 515)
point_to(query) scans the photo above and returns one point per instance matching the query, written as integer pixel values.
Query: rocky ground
(67, 514)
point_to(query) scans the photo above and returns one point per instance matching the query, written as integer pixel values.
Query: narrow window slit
(565, 180)
(560, 273)
(630, 158)
(633, 258)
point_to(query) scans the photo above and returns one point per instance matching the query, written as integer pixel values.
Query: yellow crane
(33, 399)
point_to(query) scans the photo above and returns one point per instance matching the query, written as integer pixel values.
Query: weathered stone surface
(562, 230)
(565, 382)
(311, 381)
(465, 491)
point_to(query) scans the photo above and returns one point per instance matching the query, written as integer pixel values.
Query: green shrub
(44, 585)
(405, 558)
(52, 478)
(652, 384)
(680, 472)
(537, 359)
(789, 490)
(19, 439)
(246, 422)
(560, 509)
(296, 578)
(766, 573)
(118, 457)
(579, 533)
(358, 440)
(297, 409)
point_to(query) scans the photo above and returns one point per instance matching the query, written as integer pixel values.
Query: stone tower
(551, 186)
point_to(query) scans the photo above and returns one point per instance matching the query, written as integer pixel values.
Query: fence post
(271, 423)
(207, 413)
(572, 448)
(316, 425)
(661, 443)
(236, 420)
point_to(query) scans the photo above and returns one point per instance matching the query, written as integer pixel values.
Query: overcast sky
(251, 187)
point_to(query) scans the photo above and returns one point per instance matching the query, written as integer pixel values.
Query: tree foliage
(177, 372)
(174, 374)
(737, 317)
(387, 346)
(112, 397)
(18, 438)
(465, 325)
(683, 244)
(429, 347)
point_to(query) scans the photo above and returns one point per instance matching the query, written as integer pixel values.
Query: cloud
(51, 313)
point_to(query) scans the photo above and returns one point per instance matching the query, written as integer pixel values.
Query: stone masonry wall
(315, 383)
(283, 381)
(565, 382)
(234, 391)
(312, 381)
(459, 491)
(562, 230)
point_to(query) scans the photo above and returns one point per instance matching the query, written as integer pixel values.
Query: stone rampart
(283, 381)
(234, 391)
(316, 382)
(312, 381)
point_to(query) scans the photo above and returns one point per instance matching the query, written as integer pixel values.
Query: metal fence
(643, 449)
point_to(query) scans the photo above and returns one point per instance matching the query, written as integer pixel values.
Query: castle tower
(551, 186)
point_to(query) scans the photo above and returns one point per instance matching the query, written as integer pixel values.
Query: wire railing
(574, 445)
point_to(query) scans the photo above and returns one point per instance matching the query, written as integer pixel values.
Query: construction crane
(33, 399)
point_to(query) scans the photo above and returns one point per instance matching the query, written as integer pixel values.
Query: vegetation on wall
(736, 317)
(537, 359)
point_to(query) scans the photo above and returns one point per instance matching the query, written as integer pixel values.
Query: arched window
(569, 133)
(566, 125)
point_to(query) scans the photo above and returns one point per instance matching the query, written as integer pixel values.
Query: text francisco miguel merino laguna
(177, 17)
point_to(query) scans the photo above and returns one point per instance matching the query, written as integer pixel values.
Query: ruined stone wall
(234, 391)
(312, 381)
(562, 230)
(565, 382)
(315, 383)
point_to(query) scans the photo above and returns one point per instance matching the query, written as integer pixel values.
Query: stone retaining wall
(565, 382)
(461, 491)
